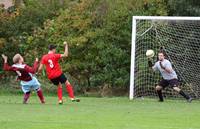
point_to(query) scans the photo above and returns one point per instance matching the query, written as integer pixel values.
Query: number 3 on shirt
(50, 63)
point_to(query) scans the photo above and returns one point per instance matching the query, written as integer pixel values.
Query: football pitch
(98, 113)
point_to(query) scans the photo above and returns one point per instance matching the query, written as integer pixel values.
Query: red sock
(26, 97)
(40, 95)
(59, 91)
(69, 89)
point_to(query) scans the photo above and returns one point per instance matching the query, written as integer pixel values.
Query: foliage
(98, 33)
(18, 24)
(183, 7)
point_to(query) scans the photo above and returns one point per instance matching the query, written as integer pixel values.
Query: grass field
(98, 113)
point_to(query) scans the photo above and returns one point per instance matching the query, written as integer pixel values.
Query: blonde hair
(16, 58)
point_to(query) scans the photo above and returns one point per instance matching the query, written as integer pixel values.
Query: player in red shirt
(25, 74)
(55, 73)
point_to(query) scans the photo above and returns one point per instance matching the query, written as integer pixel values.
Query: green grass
(98, 113)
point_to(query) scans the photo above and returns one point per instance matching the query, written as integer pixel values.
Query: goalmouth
(180, 37)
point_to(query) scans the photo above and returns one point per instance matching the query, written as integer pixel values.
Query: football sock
(59, 91)
(40, 95)
(70, 91)
(183, 94)
(26, 97)
(160, 95)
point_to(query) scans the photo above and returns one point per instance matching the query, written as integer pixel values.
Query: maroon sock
(26, 97)
(40, 95)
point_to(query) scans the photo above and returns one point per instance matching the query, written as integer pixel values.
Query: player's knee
(158, 88)
(177, 89)
(67, 82)
(60, 85)
(28, 92)
(37, 89)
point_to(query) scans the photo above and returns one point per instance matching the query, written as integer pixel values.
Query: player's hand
(37, 73)
(65, 42)
(4, 57)
(36, 59)
(161, 65)
(150, 64)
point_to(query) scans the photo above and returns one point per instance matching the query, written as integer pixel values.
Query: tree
(183, 7)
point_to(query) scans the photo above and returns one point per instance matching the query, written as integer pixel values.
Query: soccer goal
(179, 37)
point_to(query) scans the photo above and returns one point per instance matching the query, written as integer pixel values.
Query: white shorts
(32, 84)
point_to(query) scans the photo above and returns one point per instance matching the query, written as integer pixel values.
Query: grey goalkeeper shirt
(167, 65)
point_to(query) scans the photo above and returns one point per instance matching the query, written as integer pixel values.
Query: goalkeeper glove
(150, 64)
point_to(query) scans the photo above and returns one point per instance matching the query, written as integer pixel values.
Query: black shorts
(61, 79)
(173, 83)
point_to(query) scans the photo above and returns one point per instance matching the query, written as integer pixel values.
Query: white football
(150, 53)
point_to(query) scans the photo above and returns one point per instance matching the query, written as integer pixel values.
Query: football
(150, 53)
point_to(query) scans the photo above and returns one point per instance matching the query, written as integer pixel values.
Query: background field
(98, 113)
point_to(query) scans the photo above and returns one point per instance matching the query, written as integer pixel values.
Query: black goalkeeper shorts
(172, 83)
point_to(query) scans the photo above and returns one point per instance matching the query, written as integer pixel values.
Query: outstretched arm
(5, 58)
(151, 65)
(6, 67)
(66, 50)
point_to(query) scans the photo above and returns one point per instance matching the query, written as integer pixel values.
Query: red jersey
(52, 66)
(23, 71)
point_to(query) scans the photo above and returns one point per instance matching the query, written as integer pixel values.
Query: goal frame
(133, 42)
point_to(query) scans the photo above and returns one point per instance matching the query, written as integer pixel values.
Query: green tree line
(98, 33)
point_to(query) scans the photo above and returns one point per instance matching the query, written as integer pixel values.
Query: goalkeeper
(169, 76)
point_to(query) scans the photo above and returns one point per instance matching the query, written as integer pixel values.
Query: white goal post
(162, 30)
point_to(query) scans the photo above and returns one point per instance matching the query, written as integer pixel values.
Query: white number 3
(50, 63)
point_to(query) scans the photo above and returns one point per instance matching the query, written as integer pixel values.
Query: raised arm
(40, 68)
(66, 50)
(34, 68)
(6, 67)
(151, 65)
(5, 58)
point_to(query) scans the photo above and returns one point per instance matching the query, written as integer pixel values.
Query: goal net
(179, 37)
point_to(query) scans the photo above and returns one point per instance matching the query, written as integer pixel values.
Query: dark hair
(164, 54)
(52, 46)
(161, 52)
